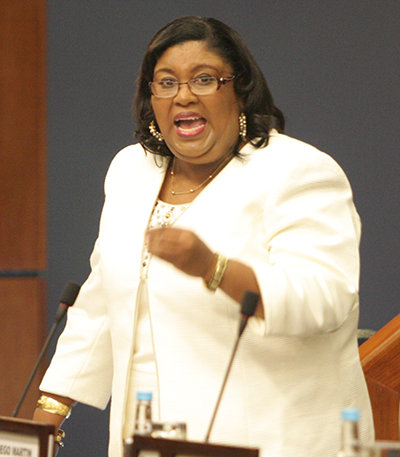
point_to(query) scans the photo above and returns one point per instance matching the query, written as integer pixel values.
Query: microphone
(249, 305)
(248, 308)
(67, 299)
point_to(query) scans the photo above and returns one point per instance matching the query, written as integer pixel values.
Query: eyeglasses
(201, 85)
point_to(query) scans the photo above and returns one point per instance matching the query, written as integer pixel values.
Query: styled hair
(250, 85)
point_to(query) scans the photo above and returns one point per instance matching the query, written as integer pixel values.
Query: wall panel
(22, 196)
(22, 135)
(22, 318)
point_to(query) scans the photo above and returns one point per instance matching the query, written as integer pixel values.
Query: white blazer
(287, 211)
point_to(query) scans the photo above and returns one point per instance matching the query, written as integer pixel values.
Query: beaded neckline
(166, 213)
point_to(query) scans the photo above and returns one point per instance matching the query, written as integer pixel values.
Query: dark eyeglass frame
(220, 82)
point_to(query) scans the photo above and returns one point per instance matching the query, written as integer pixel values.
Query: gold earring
(155, 132)
(243, 126)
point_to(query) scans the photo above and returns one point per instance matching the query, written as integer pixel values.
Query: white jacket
(287, 211)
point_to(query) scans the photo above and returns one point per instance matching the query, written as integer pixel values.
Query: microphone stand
(222, 390)
(249, 304)
(67, 299)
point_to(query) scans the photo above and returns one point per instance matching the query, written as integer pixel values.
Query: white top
(143, 375)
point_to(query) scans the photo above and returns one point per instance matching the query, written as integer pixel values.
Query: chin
(193, 152)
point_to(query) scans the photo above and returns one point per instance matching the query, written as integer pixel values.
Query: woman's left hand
(186, 251)
(183, 249)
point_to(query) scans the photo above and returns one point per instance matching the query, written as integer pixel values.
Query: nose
(184, 95)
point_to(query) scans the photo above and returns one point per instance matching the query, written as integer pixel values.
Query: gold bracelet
(50, 405)
(218, 274)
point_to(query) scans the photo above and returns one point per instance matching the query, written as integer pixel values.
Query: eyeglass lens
(199, 86)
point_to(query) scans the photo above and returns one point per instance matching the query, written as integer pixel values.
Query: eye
(204, 80)
(167, 83)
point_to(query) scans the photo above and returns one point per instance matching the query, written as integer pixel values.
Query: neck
(196, 173)
(183, 181)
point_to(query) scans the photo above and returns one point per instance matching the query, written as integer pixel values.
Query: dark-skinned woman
(213, 201)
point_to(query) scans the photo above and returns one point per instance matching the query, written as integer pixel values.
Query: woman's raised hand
(183, 248)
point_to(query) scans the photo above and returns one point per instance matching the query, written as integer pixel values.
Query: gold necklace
(202, 184)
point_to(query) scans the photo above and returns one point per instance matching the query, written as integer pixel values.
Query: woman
(212, 202)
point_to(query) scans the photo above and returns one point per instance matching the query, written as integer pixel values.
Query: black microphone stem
(222, 389)
(67, 299)
(249, 304)
(38, 362)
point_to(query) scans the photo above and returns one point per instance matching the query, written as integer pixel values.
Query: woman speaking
(213, 201)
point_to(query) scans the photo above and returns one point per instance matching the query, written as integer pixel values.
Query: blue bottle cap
(146, 396)
(351, 414)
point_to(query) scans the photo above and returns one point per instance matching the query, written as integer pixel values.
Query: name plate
(25, 438)
(16, 444)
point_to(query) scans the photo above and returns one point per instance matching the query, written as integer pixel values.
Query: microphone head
(249, 303)
(69, 293)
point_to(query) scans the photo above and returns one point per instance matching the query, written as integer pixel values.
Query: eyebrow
(194, 69)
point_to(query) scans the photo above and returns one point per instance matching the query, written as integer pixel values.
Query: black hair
(250, 85)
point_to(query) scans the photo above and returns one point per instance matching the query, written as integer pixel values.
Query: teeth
(188, 119)
(190, 129)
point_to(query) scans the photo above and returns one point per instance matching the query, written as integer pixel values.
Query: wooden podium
(26, 437)
(380, 359)
(171, 448)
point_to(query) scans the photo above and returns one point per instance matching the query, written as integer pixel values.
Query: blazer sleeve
(82, 364)
(82, 367)
(309, 283)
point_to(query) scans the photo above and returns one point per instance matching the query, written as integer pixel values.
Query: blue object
(351, 414)
(146, 396)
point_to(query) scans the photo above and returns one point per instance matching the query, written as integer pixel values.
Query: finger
(161, 243)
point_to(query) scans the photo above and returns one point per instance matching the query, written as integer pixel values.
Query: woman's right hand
(54, 419)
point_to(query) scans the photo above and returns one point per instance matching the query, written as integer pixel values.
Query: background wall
(333, 68)
(22, 197)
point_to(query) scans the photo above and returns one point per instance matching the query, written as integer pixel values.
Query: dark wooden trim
(171, 448)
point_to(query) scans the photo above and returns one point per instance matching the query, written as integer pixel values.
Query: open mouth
(190, 126)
